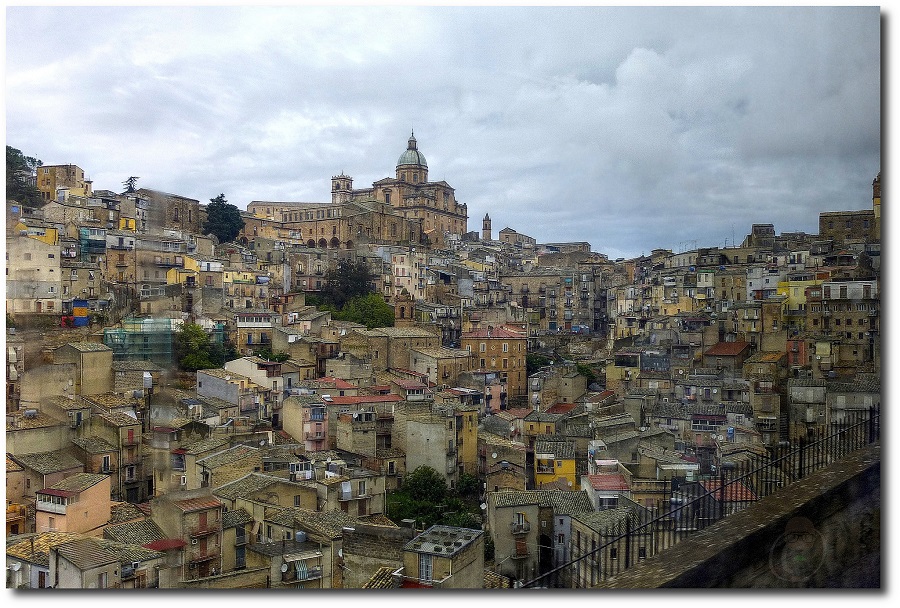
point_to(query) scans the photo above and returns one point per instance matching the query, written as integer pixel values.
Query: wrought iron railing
(694, 506)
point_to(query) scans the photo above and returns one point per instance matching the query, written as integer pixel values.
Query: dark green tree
(587, 372)
(195, 350)
(346, 281)
(130, 184)
(19, 171)
(534, 362)
(223, 220)
(425, 484)
(370, 310)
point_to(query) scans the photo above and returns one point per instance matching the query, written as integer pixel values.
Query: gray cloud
(631, 128)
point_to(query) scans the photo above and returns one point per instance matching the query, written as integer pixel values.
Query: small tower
(341, 188)
(486, 228)
(404, 305)
(876, 202)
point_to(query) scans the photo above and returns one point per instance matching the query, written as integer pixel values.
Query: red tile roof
(734, 492)
(198, 504)
(727, 349)
(609, 482)
(560, 408)
(351, 400)
(165, 544)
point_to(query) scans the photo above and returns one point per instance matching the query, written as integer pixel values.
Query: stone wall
(367, 548)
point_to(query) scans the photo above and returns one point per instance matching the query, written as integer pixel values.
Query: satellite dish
(284, 567)
(494, 455)
(340, 553)
(483, 506)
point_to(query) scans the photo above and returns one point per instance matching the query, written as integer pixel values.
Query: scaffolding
(143, 340)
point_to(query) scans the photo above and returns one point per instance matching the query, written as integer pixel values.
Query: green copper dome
(411, 156)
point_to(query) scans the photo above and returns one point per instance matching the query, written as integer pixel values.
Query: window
(296, 500)
(424, 567)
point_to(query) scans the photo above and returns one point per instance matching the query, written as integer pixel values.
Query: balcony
(519, 527)
(314, 436)
(304, 573)
(209, 528)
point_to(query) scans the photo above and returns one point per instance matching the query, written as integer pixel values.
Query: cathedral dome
(412, 156)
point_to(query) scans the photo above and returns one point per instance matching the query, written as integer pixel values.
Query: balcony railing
(694, 510)
(209, 528)
(519, 527)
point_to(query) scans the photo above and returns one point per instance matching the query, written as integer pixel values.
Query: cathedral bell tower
(341, 188)
(486, 228)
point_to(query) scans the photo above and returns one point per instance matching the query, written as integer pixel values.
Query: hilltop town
(186, 413)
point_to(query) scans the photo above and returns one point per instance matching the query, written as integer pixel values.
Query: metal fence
(738, 482)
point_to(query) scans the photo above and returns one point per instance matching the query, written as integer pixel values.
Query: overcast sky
(630, 128)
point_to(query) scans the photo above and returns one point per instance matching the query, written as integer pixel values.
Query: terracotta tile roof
(94, 445)
(735, 491)
(560, 408)
(382, 579)
(86, 553)
(48, 462)
(121, 512)
(119, 419)
(231, 456)
(493, 580)
(206, 445)
(328, 524)
(134, 532)
(198, 504)
(237, 517)
(727, 349)
(165, 544)
(608, 482)
(563, 502)
(35, 548)
(246, 485)
(608, 522)
(79, 482)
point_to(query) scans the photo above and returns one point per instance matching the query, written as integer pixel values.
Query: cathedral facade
(396, 210)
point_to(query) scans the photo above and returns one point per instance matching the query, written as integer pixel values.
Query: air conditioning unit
(135, 565)
(184, 480)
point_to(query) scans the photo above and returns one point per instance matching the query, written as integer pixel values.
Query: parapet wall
(823, 531)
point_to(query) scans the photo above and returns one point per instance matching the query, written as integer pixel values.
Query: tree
(222, 220)
(534, 362)
(587, 372)
(20, 170)
(425, 484)
(130, 184)
(346, 281)
(370, 310)
(194, 350)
